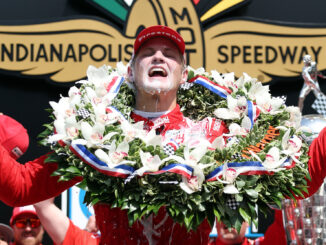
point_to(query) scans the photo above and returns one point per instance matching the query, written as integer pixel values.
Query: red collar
(172, 120)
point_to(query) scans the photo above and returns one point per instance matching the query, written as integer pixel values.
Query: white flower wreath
(262, 159)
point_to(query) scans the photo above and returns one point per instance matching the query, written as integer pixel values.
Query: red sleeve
(275, 233)
(317, 162)
(29, 183)
(77, 236)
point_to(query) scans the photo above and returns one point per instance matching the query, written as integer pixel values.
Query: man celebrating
(157, 70)
(26, 226)
(61, 229)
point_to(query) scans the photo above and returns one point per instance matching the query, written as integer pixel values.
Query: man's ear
(184, 76)
(130, 74)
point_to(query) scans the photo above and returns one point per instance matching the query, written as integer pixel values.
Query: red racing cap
(159, 31)
(13, 136)
(18, 211)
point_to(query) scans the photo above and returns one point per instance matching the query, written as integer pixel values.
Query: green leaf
(245, 215)
(297, 192)
(277, 202)
(217, 214)
(145, 195)
(188, 220)
(73, 170)
(259, 187)
(82, 185)
(280, 195)
(64, 178)
(238, 197)
(252, 193)
(51, 158)
(238, 224)
(240, 183)
(133, 207)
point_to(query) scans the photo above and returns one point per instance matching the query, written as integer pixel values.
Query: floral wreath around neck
(259, 161)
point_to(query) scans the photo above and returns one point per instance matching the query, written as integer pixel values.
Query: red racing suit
(77, 236)
(160, 229)
(30, 183)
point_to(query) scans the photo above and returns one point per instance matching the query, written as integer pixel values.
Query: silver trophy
(310, 76)
(305, 220)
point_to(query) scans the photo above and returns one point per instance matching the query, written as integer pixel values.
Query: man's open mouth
(157, 72)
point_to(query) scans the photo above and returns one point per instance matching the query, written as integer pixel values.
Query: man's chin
(156, 90)
(230, 238)
(28, 241)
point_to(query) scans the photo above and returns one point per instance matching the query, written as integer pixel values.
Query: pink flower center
(72, 132)
(97, 136)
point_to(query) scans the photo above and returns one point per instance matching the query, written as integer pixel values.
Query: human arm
(321, 75)
(91, 225)
(29, 183)
(60, 228)
(306, 75)
(53, 220)
(317, 162)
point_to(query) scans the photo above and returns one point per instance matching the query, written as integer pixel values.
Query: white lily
(192, 159)
(236, 107)
(151, 138)
(226, 80)
(98, 76)
(236, 129)
(63, 108)
(291, 146)
(116, 154)
(229, 81)
(272, 159)
(295, 117)
(257, 89)
(102, 117)
(150, 163)
(93, 97)
(267, 104)
(229, 176)
(122, 69)
(217, 77)
(131, 131)
(66, 130)
(195, 182)
(198, 71)
(218, 143)
(242, 81)
(74, 96)
(94, 135)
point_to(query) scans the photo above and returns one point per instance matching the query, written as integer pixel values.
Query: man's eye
(147, 52)
(170, 54)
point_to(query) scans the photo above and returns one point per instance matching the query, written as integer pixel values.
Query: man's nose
(158, 56)
(28, 227)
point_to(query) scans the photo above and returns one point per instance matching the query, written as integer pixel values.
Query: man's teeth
(157, 71)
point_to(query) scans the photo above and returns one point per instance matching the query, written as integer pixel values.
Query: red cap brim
(18, 211)
(159, 31)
